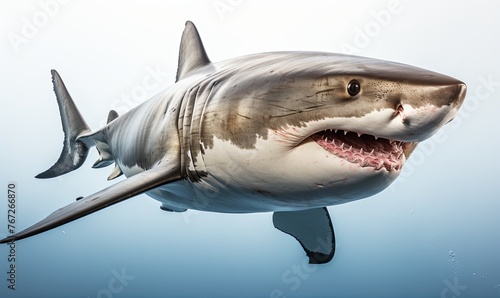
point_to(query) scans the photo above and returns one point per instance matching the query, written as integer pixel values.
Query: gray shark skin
(282, 132)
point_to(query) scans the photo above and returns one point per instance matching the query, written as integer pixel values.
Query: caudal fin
(74, 152)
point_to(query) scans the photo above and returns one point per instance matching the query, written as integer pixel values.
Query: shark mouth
(362, 149)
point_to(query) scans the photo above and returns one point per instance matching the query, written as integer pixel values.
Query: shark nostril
(401, 112)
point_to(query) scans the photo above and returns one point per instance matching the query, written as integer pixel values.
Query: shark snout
(460, 91)
(422, 115)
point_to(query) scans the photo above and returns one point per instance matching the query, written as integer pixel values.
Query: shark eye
(353, 87)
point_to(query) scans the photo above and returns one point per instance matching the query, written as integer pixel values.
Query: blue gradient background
(437, 225)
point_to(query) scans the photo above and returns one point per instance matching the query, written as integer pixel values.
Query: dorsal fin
(192, 54)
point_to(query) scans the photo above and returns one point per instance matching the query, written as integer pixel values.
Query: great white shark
(282, 132)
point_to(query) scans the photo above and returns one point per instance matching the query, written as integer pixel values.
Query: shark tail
(75, 149)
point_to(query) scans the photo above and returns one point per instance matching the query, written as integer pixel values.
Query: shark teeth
(362, 149)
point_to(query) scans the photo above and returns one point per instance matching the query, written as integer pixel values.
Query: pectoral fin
(312, 228)
(116, 193)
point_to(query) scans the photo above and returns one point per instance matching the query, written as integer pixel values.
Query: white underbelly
(204, 196)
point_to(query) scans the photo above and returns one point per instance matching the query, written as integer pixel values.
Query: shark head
(319, 127)
(334, 125)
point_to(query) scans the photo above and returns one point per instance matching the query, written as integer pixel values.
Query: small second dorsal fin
(192, 54)
(112, 115)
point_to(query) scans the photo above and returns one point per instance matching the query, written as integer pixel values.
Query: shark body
(282, 132)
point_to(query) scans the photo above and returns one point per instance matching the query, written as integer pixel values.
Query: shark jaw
(363, 149)
(389, 139)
